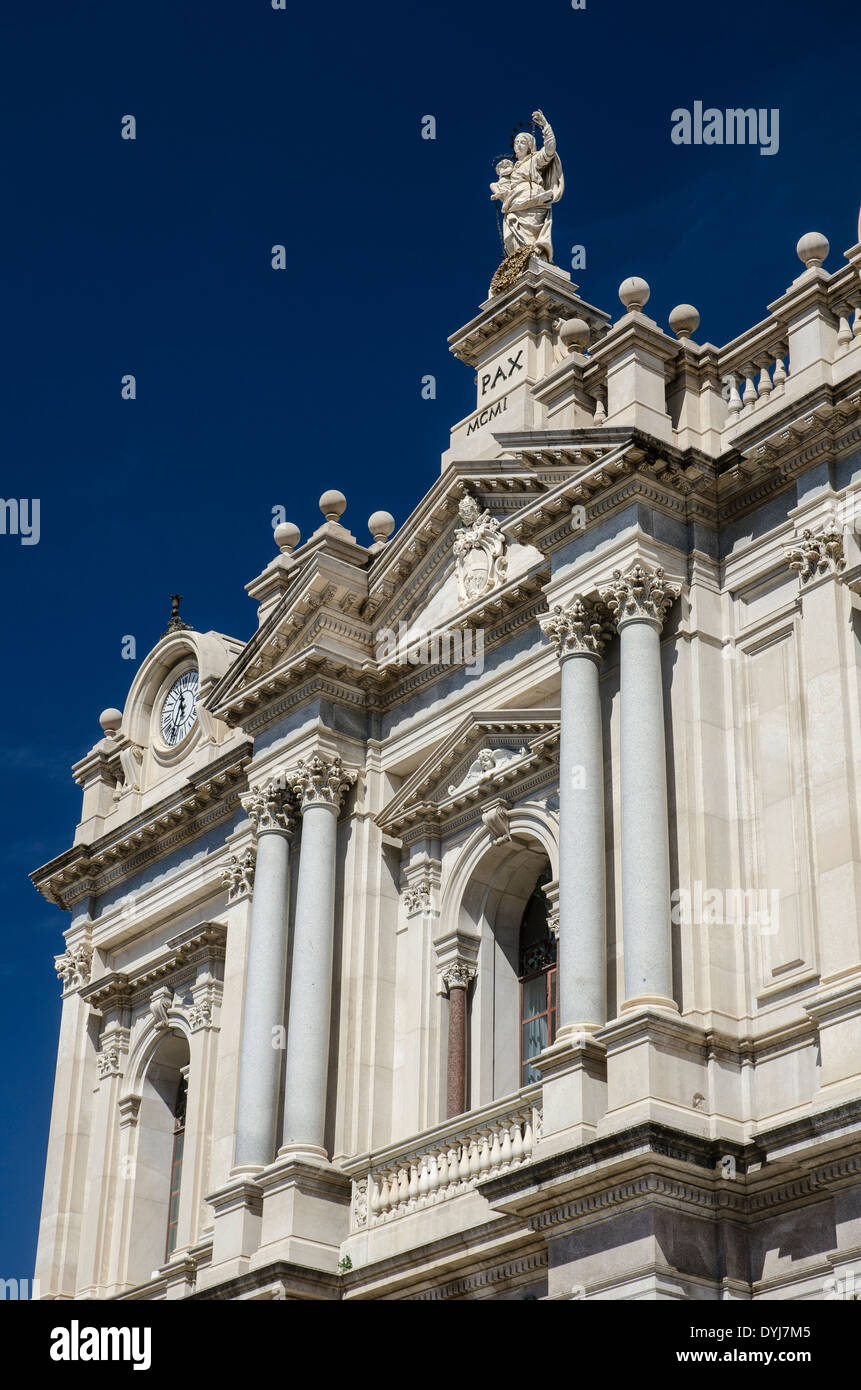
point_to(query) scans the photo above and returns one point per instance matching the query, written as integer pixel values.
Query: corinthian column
(270, 813)
(638, 601)
(319, 786)
(579, 633)
(456, 978)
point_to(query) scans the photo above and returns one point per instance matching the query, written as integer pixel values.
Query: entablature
(206, 798)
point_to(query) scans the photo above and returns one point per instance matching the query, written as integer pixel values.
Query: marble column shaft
(457, 979)
(578, 632)
(319, 786)
(639, 600)
(260, 1061)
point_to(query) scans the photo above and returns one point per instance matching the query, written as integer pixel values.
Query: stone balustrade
(448, 1160)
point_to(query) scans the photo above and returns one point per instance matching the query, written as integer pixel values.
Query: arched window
(176, 1164)
(157, 1222)
(537, 976)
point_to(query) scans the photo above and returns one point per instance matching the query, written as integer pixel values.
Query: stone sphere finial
(684, 320)
(111, 722)
(287, 537)
(574, 334)
(812, 249)
(634, 293)
(381, 525)
(332, 504)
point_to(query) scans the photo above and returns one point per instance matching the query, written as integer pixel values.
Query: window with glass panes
(176, 1166)
(537, 973)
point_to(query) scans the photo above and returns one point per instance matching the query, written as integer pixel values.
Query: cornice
(208, 796)
(206, 942)
(522, 1270)
(539, 291)
(651, 1160)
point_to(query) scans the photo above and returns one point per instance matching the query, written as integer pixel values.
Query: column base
(574, 1092)
(306, 1210)
(639, 1002)
(657, 1071)
(307, 1153)
(238, 1210)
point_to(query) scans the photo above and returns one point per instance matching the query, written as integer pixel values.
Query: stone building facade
(487, 926)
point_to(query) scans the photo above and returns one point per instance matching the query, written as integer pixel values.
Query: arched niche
(154, 1169)
(495, 898)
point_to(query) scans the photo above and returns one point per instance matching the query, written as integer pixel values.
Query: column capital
(270, 808)
(74, 965)
(581, 629)
(640, 594)
(458, 975)
(237, 876)
(817, 553)
(319, 781)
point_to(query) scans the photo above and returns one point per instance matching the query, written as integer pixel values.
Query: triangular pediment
(488, 754)
(314, 625)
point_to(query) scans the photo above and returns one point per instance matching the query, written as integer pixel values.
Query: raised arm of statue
(548, 148)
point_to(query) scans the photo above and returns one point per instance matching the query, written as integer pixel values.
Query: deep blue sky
(259, 388)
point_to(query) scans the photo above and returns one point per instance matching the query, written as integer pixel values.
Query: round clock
(179, 710)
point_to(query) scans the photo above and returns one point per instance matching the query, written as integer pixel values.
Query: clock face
(179, 710)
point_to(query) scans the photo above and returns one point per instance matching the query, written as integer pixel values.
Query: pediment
(314, 625)
(486, 756)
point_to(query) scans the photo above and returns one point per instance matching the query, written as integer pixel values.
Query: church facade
(488, 926)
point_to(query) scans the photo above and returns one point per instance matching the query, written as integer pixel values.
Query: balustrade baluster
(495, 1150)
(516, 1141)
(780, 373)
(735, 406)
(528, 1137)
(463, 1168)
(473, 1157)
(403, 1186)
(484, 1154)
(749, 396)
(506, 1146)
(376, 1197)
(424, 1177)
(442, 1169)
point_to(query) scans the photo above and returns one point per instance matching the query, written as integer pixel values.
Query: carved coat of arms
(479, 550)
